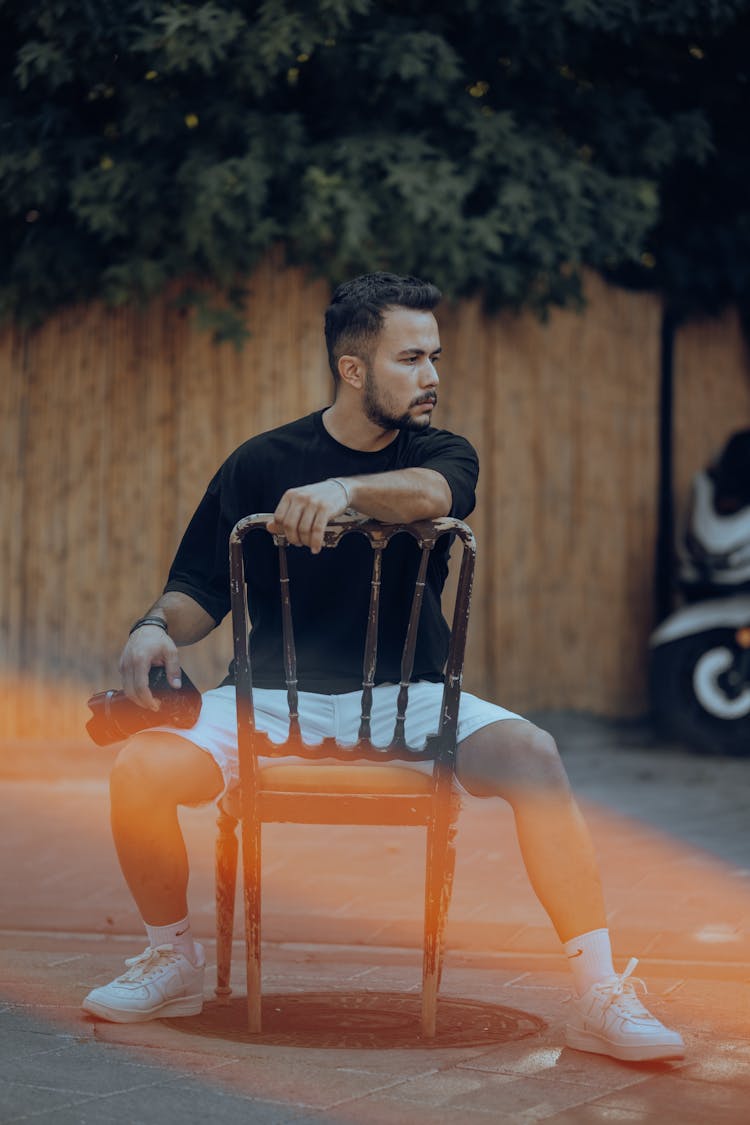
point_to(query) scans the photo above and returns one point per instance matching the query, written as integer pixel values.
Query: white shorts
(337, 716)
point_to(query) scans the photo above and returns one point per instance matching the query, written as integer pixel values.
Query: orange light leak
(36, 708)
(667, 901)
(685, 914)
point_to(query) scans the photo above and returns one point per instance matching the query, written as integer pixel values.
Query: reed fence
(114, 421)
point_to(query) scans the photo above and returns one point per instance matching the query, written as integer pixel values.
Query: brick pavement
(354, 925)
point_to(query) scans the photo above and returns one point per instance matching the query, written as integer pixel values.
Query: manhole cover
(366, 1020)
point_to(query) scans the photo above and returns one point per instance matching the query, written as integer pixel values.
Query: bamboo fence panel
(572, 477)
(711, 396)
(465, 395)
(114, 421)
(12, 437)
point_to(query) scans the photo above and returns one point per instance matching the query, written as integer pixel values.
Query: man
(373, 450)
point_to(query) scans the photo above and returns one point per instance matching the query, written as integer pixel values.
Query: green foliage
(495, 146)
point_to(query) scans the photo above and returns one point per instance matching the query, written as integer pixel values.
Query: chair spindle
(410, 645)
(371, 644)
(290, 653)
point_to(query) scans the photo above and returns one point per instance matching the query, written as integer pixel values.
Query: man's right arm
(152, 646)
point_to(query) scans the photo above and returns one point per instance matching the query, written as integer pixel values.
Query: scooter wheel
(688, 701)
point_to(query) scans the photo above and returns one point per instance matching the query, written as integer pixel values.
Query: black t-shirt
(330, 591)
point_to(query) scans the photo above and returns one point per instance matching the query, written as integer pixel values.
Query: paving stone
(675, 1098)
(187, 1101)
(19, 1102)
(593, 1114)
(499, 1093)
(693, 946)
(559, 1064)
(17, 1041)
(376, 1110)
(294, 1080)
(80, 1068)
(728, 1063)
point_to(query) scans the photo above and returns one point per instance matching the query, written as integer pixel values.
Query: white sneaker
(609, 1019)
(159, 982)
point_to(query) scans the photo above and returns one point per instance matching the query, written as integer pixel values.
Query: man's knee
(163, 768)
(510, 756)
(138, 773)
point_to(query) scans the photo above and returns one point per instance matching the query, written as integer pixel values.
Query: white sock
(590, 959)
(177, 934)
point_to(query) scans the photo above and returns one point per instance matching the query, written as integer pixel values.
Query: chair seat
(339, 779)
(373, 778)
(281, 786)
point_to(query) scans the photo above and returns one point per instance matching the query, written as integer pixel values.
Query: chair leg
(226, 885)
(251, 897)
(441, 860)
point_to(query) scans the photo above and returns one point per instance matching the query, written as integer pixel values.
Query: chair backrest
(441, 746)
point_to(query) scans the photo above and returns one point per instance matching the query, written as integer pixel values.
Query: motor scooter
(699, 667)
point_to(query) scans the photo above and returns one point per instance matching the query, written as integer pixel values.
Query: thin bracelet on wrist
(337, 480)
(148, 621)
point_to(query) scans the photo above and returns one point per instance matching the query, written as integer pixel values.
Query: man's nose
(429, 375)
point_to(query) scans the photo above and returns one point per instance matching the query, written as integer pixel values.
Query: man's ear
(352, 371)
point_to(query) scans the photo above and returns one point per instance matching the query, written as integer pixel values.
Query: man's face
(400, 387)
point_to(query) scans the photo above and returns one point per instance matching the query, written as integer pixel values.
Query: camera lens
(115, 717)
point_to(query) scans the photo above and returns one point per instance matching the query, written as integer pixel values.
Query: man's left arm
(399, 496)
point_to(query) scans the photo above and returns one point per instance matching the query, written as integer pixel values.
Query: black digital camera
(115, 717)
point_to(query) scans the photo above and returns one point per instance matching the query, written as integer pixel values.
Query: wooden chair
(381, 793)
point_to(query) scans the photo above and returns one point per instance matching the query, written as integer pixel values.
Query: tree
(698, 252)
(497, 146)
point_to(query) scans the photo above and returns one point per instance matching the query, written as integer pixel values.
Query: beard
(379, 410)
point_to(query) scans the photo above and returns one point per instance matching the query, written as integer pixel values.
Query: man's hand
(148, 647)
(302, 514)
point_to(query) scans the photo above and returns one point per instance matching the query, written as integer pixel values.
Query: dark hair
(354, 317)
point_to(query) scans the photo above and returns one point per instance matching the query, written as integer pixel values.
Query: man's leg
(515, 760)
(154, 774)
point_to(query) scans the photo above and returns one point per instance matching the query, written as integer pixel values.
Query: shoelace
(622, 989)
(145, 963)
